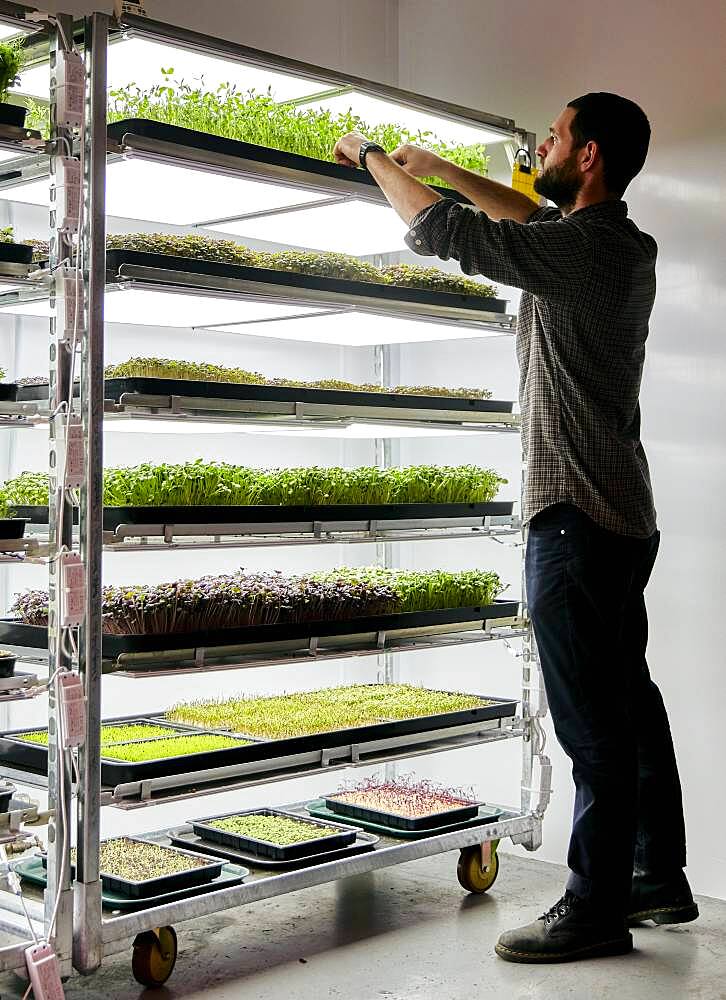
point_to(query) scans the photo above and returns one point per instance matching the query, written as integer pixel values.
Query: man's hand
(347, 150)
(418, 162)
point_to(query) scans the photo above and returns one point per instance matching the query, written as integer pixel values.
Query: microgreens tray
(486, 814)
(153, 762)
(247, 831)
(15, 633)
(352, 812)
(185, 837)
(115, 517)
(287, 281)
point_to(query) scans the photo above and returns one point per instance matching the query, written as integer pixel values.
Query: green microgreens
(299, 713)
(317, 263)
(279, 830)
(109, 734)
(243, 599)
(222, 484)
(176, 746)
(138, 861)
(12, 59)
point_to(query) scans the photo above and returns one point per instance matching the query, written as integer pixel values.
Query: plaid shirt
(588, 282)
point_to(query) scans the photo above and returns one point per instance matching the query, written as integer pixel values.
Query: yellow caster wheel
(154, 956)
(472, 875)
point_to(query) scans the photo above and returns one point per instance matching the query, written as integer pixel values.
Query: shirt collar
(616, 208)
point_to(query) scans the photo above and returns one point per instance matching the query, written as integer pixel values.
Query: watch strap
(365, 149)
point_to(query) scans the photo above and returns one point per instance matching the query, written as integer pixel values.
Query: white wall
(527, 61)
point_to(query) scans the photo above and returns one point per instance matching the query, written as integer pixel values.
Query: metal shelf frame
(82, 932)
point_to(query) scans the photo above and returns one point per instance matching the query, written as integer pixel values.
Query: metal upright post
(87, 943)
(60, 518)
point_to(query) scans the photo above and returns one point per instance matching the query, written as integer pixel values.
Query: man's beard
(559, 184)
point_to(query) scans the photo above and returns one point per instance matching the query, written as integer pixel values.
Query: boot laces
(560, 909)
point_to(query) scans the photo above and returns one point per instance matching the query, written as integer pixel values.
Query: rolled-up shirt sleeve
(546, 255)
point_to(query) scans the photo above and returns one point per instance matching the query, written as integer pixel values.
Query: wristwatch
(365, 149)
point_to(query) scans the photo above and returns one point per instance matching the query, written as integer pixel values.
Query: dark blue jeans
(585, 594)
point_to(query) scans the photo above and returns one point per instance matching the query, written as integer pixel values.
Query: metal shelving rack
(94, 935)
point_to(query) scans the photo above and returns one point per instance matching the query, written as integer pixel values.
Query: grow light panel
(138, 61)
(349, 226)
(355, 430)
(184, 308)
(156, 191)
(359, 329)
(376, 110)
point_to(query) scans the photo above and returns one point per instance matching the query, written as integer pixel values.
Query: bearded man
(587, 274)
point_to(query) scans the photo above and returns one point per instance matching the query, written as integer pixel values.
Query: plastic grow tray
(486, 814)
(185, 837)
(431, 821)
(291, 280)
(163, 884)
(115, 517)
(180, 136)
(343, 837)
(12, 528)
(9, 392)
(16, 633)
(34, 757)
(32, 870)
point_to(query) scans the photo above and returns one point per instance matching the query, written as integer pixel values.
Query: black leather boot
(572, 929)
(664, 899)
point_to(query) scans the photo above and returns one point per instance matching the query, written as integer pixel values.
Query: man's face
(559, 178)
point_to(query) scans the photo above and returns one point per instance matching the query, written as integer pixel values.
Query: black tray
(114, 517)
(184, 837)
(115, 388)
(9, 391)
(15, 633)
(116, 259)
(12, 527)
(249, 151)
(165, 883)
(34, 757)
(119, 772)
(16, 253)
(265, 849)
(398, 822)
(7, 790)
(487, 814)
(31, 870)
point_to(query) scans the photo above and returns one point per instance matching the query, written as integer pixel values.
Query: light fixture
(348, 430)
(185, 308)
(347, 226)
(377, 110)
(166, 192)
(139, 61)
(359, 329)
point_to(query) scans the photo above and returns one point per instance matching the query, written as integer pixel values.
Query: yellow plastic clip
(524, 174)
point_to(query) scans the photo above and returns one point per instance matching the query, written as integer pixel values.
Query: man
(588, 280)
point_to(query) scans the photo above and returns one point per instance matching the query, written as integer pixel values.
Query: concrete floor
(410, 933)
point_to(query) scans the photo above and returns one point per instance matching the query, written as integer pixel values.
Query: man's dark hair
(621, 130)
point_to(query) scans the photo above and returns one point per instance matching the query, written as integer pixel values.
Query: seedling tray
(163, 884)
(116, 517)
(185, 837)
(34, 757)
(15, 633)
(12, 527)
(180, 136)
(9, 391)
(115, 388)
(32, 870)
(291, 280)
(396, 821)
(343, 837)
(485, 814)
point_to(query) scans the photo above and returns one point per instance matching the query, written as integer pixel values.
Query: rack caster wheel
(472, 875)
(154, 956)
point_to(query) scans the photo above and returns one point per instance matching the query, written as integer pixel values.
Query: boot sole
(601, 950)
(665, 915)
